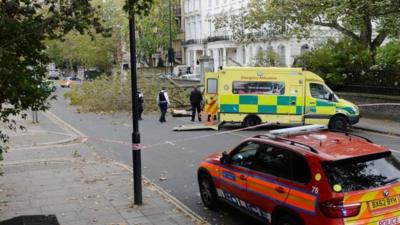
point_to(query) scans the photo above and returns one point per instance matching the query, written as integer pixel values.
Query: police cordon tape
(140, 146)
(136, 147)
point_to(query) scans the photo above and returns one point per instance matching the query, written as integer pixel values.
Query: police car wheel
(338, 123)
(207, 191)
(287, 220)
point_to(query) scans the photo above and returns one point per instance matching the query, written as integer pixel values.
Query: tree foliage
(99, 51)
(266, 59)
(24, 26)
(347, 62)
(138, 7)
(367, 22)
(93, 50)
(388, 64)
(153, 30)
(83, 50)
(244, 28)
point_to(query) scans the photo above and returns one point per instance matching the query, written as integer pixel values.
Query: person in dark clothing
(195, 100)
(141, 104)
(163, 102)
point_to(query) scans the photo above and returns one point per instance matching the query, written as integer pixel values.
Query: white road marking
(240, 135)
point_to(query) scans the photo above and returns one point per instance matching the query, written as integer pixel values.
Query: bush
(338, 62)
(346, 62)
(388, 64)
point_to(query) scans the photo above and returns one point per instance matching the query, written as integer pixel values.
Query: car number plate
(390, 221)
(384, 203)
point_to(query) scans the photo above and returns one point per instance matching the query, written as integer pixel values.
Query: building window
(212, 86)
(304, 48)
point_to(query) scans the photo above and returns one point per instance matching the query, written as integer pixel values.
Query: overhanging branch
(379, 39)
(339, 28)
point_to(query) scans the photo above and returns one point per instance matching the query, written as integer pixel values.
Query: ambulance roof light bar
(298, 130)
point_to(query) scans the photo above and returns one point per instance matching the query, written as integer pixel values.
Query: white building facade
(201, 37)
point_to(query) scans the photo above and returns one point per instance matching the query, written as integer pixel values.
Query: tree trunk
(366, 33)
(376, 43)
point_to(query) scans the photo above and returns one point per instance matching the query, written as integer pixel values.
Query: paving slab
(379, 125)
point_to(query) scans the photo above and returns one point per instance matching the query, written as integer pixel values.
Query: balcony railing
(194, 41)
(219, 38)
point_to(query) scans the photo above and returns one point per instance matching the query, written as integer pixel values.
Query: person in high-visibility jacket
(163, 102)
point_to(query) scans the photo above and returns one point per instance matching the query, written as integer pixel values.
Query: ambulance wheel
(208, 192)
(287, 220)
(338, 123)
(251, 121)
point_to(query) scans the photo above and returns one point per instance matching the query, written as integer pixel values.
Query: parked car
(54, 75)
(305, 176)
(194, 77)
(167, 75)
(69, 81)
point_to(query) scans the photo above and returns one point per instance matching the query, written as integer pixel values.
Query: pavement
(51, 170)
(389, 127)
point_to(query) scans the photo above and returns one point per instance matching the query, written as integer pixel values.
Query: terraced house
(202, 37)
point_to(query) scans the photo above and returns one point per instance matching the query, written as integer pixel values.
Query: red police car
(305, 176)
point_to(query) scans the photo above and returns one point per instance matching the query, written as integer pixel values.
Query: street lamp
(171, 54)
(136, 152)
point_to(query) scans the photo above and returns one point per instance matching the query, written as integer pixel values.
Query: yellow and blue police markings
(297, 199)
(257, 211)
(262, 104)
(228, 175)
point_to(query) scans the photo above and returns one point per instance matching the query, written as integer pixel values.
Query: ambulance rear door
(211, 102)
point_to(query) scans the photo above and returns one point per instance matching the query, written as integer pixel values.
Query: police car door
(234, 174)
(267, 183)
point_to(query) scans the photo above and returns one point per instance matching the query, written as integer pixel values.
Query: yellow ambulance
(288, 96)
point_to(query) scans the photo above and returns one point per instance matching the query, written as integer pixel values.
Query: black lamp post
(171, 54)
(136, 152)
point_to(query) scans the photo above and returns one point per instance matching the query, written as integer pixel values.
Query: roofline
(263, 68)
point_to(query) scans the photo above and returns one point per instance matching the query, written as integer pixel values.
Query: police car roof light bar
(299, 144)
(299, 130)
(354, 135)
